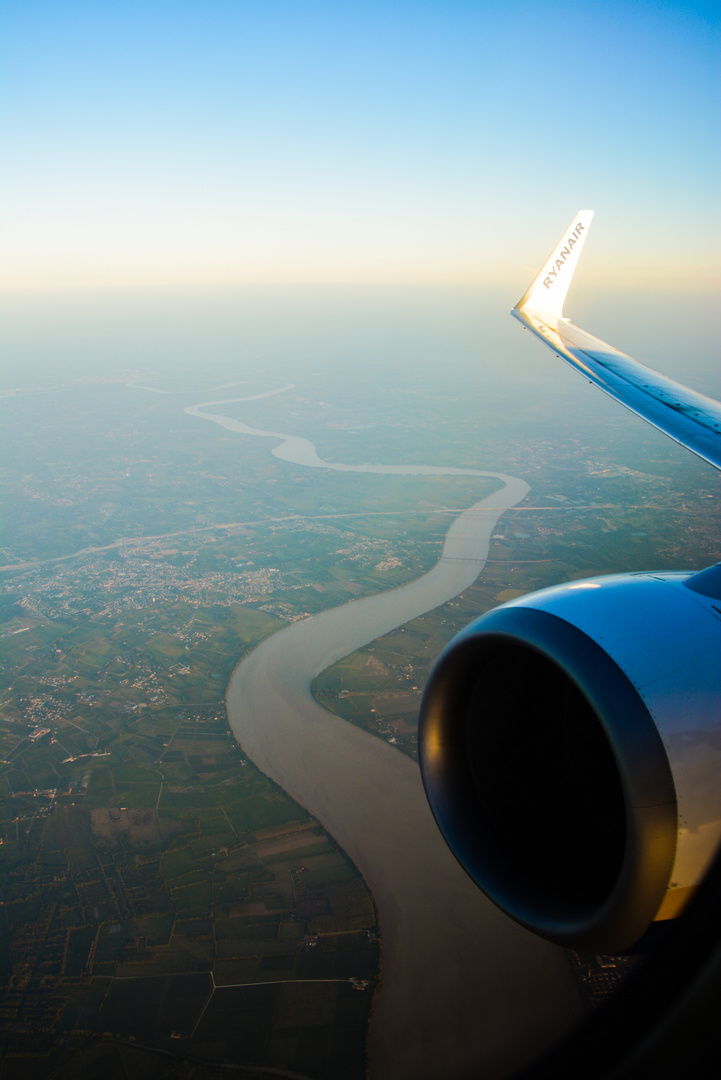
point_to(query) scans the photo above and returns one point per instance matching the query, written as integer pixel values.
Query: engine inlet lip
(639, 755)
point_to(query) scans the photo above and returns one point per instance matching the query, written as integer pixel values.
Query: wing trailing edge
(691, 419)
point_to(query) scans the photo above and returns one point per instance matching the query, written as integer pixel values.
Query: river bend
(464, 989)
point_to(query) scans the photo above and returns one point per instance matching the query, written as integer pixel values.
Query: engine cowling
(570, 747)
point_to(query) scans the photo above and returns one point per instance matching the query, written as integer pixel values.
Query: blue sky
(162, 143)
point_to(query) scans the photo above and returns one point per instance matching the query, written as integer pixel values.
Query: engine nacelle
(570, 746)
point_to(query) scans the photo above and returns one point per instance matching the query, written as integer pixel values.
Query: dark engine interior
(548, 795)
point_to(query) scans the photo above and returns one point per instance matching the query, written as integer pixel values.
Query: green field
(160, 855)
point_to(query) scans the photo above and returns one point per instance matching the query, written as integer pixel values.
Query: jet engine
(570, 746)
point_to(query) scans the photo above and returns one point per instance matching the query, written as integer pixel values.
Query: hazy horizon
(450, 143)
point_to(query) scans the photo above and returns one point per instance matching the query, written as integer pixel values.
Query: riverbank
(463, 987)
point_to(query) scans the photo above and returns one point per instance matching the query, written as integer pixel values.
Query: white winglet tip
(547, 292)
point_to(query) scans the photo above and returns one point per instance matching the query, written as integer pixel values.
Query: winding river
(465, 991)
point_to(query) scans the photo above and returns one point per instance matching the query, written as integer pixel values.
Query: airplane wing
(568, 747)
(692, 419)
